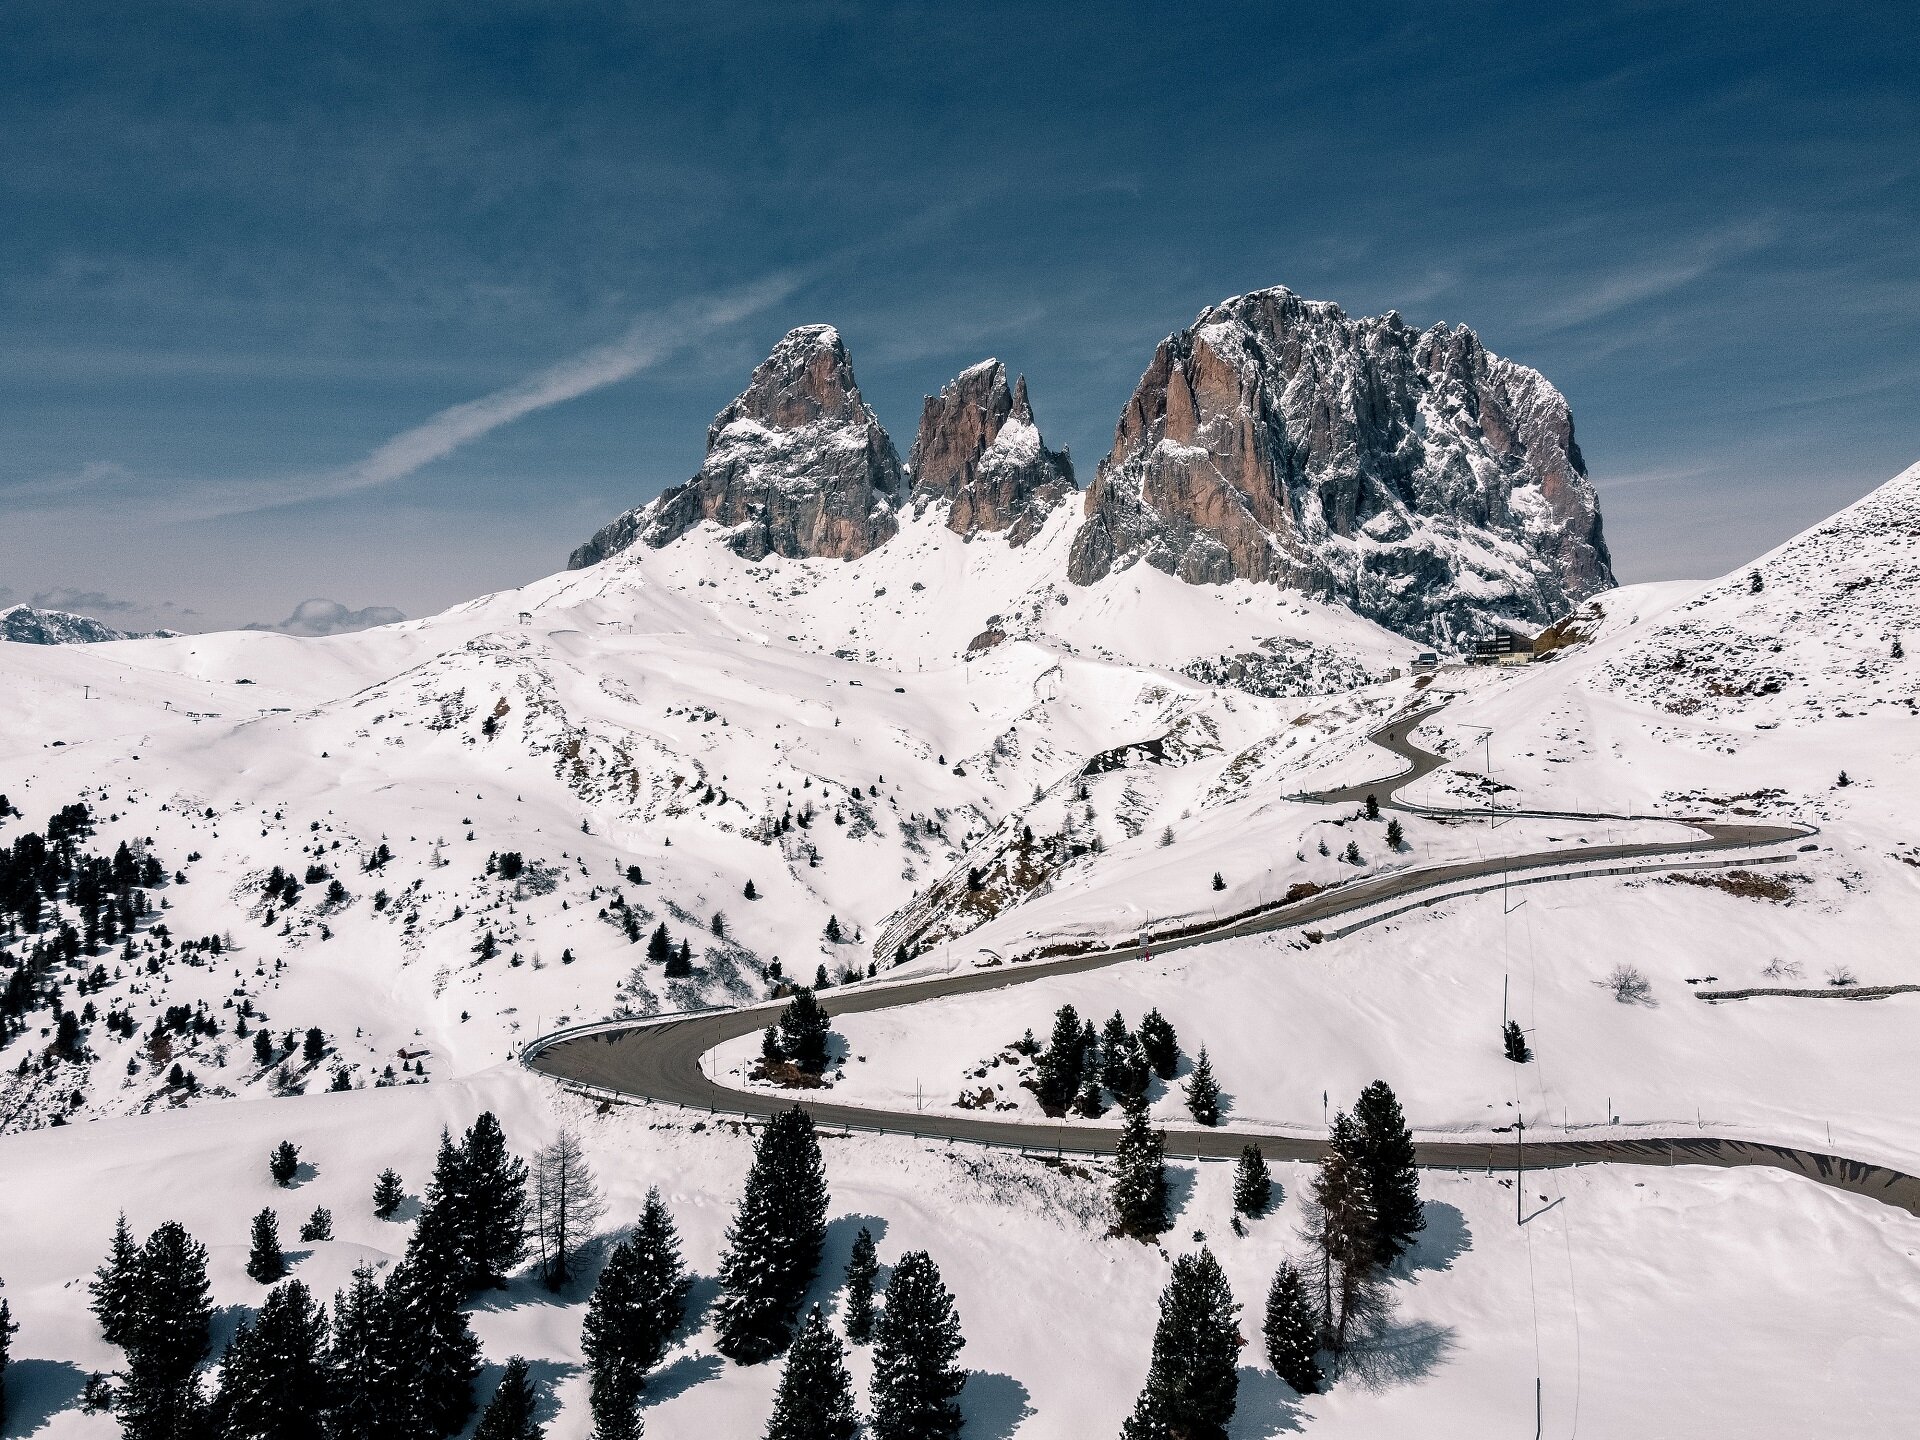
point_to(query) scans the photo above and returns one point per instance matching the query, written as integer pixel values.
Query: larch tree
(566, 1203)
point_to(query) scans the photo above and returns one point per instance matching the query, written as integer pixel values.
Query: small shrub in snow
(1629, 985)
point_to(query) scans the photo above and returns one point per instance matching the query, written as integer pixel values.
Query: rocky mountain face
(797, 465)
(29, 625)
(1410, 475)
(980, 450)
(1430, 485)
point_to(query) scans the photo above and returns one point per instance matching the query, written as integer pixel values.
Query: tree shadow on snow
(1268, 1405)
(1446, 1238)
(302, 1173)
(530, 1288)
(994, 1404)
(1181, 1182)
(544, 1375)
(1397, 1354)
(37, 1390)
(702, 1293)
(226, 1319)
(835, 1253)
(685, 1371)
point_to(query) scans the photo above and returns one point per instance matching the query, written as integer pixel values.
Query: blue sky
(246, 246)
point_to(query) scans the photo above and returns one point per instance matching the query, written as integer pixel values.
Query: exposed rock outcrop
(980, 450)
(1411, 475)
(31, 625)
(797, 465)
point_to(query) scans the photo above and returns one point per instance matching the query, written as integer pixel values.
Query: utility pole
(1519, 1167)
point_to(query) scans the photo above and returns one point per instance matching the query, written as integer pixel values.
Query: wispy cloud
(645, 343)
(66, 597)
(1651, 278)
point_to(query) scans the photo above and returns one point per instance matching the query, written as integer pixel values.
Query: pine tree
(265, 1263)
(1393, 1181)
(1203, 1091)
(284, 1163)
(750, 893)
(862, 1266)
(437, 1349)
(319, 1226)
(773, 1245)
(680, 966)
(166, 1338)
(9, 1327)
(815, 1398)
(661, 1280)
(833, 933)
(1292, 1330)
(915, 1344)
(615, 1372)
(1193, 1383)
(1515, 1043)
(803, 1031)
(115, 1287)
(372, 1397)
(274, 1377)
(660, 945)
(1252, 1183)
(496, 1203)
(1057, 1072)
(388, 1193)
(1396, 836)
(1373, 807)
(1140, 1178)
(1158, 1042)
(509, 1414)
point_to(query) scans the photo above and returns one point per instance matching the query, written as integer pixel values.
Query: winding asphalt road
(661, 1058)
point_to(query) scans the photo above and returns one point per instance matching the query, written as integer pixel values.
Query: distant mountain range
(30, 625)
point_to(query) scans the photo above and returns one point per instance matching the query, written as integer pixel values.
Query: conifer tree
(274, 1377)
(1514, 1040)
(1203, 1091)
(615, 1373)
(495, 1213)
(1158, 1042)
(372, 1397)
(661, 1281)
(1193, 1383)
(660, 945)
(319, 1225)
(803, 1031)
(1292, 1330)
(284, 1163)
(265, 1263)
(166, 1337)
(9, 1327)
(388, 1192)
(1252, 1183)
(1396, 836)
(1140, 1177)
(509, 1414)
(1057, 1072)
(115, 1287)
(915, 1344)
(1393, 1181)
(1344, 1229)
(680, 963)
(1113, 1044)
(815, 1398)
(773, 1245)
(862, 1266)
(436, 1348)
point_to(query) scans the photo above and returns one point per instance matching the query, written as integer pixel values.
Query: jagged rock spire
(979, 450)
